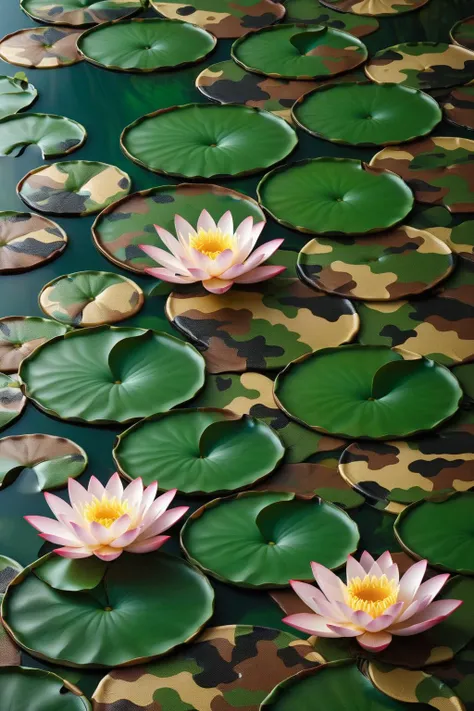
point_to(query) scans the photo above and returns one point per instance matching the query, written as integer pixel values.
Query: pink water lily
(105, 521)
(213, 253)
(374, 605)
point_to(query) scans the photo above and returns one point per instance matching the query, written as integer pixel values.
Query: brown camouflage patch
(28, 241)
(41, 47)
(463, 32)
(459, 107)
(12, 400)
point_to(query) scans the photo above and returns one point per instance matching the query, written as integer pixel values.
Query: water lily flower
(213, 253)
(105, 521)
(374, 605)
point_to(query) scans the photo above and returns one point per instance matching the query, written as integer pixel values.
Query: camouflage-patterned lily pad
(334, 196)
(79, 12)
(52, 459)
(224, 18)
(9, 569)
(54, 135)
(440, 171)
(145, 45)
(265, 539)
(28, 241)
(459, 106)
(39, 690)
(263, 326)
(441, 531)
(458, 675)
(74, 187)
(221, 669)
(310, 13)
(12, 400)
(91, 298)
(20, 335)
(456, 230)
(16, 93)
(439, 325)
(367, 392)
(41, 47)
(299, 52)
(463, 32)
(208, 141)
(465, 374)
(120, 228)
(109, 374)
(382, 267)
(378, 8)
(422, 65)
(367, 114)
(199, 451)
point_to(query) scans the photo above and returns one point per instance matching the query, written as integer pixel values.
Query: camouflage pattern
(53, 135)
(440, 171)
(422, 65)
(310, 13)
(91, 298)
(413, 687)
(457, 231)
(439, 325)
(226, 668)
(224, 18)
(384, 267)
(465, 375)
(9, 652)
(41, 47)
(463, 33)
(28, 241)
(262, 327)
(20, 335)
(9, 569)
(458, 674)
(16, 93)
(80, 12)
(12, 400)
(77, 187)
(459, 107)
(375, 7)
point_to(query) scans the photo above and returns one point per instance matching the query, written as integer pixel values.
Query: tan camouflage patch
(41, 47)
(375, 7)
(20, 335)
(28, 241)
(415, 687)
(12, 400)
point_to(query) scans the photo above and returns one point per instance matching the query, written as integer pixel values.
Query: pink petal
(148, 545)
(73, 552)
(343, 631)
(120, 526)
(392, 573)
(114, 487)
(57, 540)
(329, 583)
(163, 522)
(167, 275)
(306, 593)
(133, 493)
(375, 642)
(148, 497)
(49, 526)
(59, 507)
(366, 561)
(183, 229)
(259, 274)
(170, 242)
(431, 616)
(385, 620)
(217, 286)
(375, 570)
(201, 261)
(413, 609)
(431, 587)
(83, 535)
(411, 581)
(95, 487)
(360, 618)
(158, 507)
(198, 274)
(206, 222)
(78, 496)
(260, 255)
(222, 262)
(312, 624)
(165, 259)
(226, 223)
(354, 569)
(107, 554)
(385, 562)
(100, 533)
(245, 229)
(125, 539)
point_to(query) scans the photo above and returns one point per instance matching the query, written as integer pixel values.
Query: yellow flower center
(105, 511)
(211, 243)
(371, 594)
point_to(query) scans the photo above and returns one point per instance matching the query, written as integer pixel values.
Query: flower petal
(78, 496)
(206, 222)
(259, 274)
(95, 488)
(165, 259)
(312, 624)
(167, 275)
(170, 242)
(148, 497)
(222, 262)
(158, 507)
(148, 545)
(226, 223)
(107, 554)
(49, 526)
(114, 487)
(384, 562)
(183, 229)
(375, 641)
(431, 616)
(59, 507)
(306, 593)
(329, 583)
(343, 631)
(244, 231)
(125, 539)
(217, 286)
(411, 581)
(366, 561)
(100, 533)
(354, 569)
(431, 587)
(133, 493)
(120, 526)
(383, 621)
(68, 552)
(84, 535)
(163, 522)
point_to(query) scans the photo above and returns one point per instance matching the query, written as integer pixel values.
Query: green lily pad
(144, 606)
(265, 539)
(310, 13)
(373, 392)
(145, 45)
(207, 141)
(41, 47)
(298, 52)
(203, 451)
(16, 94)
(463, 32)
(367, 114)
(39, 690)
(128, 222)
(12, 400)
(54, 135)
(334, 196)
(20, 335)
(465, 374)
(108, 374)
(52, 459)
(441, 531)
(9, 569)
(71, 575)
(79, 12)
(379, 8)
(28, 241)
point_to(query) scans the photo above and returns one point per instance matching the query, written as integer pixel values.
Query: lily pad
(262, 326)
(459, 107)
(75, 187)
(20, 335)
(40, 690)
(378, 8)
(16, 93)
(373, 392)
(145, 45)
(108, 374)
(54, 135)
(79, 12)
(203, 451)
(440, 530)
(12, 400)
(299, 52)
(91, 298)
(166, 600)
(9, 569)
(309, 13)
(456, 230)
(206, 141)
(28, 241)
(334, 196)
(51, 459)
(41, 47)
(463, 32)
(265, 539)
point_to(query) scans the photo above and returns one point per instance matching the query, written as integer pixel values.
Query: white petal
(133, 494)
(226, 223)
(183, 229)
(114, 487)
(366, 561)
(354, 569)
(206, 222)
(411, 581)
(95, 488)
(329, 583)
(171, 242)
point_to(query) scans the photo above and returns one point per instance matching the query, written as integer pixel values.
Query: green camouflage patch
(440, 171)
(459, 107)
(28, 241)
(261, 327)
(15, 93)
(457, 231)
(375, 7)
(389, 266)
(91, 298)
(413, 687)
(422, 65)
(80, 12)
(41, 47)
(458, 674)
(309, 13)
(463, 33)
(53, 135)
(20, 335)
(76, 187)
(221, 670)
(12, 400)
